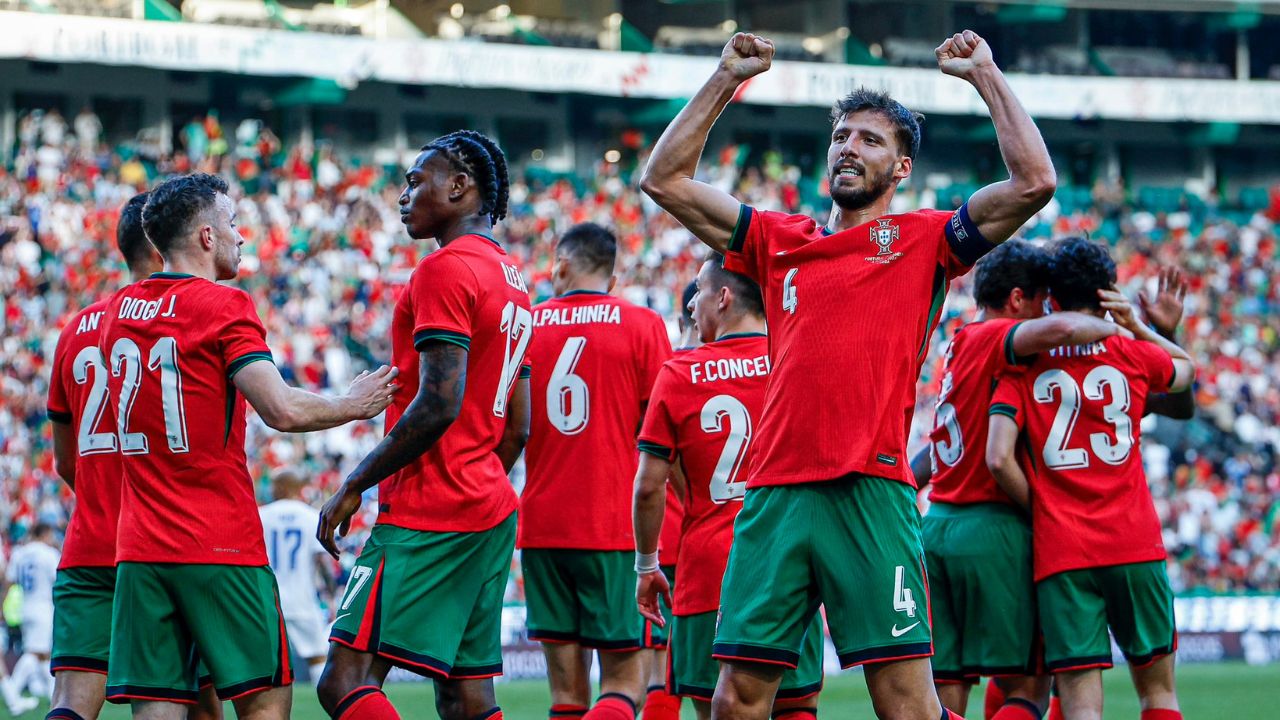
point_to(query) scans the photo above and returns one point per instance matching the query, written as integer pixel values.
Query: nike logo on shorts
(899, 633)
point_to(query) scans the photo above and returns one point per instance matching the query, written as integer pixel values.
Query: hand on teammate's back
(371, 392)
(746, 55)
(963, 53)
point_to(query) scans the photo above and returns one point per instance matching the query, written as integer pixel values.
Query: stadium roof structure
(350, 60)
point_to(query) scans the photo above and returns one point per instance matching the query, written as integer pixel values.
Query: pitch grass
(1231, 690)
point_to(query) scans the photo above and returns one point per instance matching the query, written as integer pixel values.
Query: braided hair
(478, 156)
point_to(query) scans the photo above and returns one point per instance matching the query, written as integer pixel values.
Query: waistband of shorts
(974, 510)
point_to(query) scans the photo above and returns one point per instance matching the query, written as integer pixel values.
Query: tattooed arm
(442, 379)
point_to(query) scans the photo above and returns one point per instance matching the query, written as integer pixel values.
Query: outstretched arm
(291, 409)
(1184, 369)
(1060, 328)
(442, 380)
(998, 210)
(708, 213)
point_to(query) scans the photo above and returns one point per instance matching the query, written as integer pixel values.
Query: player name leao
(139, 309)
(729, 369)
(578, 315)
(1078, 350)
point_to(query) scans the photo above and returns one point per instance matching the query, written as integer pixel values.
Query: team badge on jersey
(884, 234)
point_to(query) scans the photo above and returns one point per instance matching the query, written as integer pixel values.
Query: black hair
(590, 247)
(906, 122)
(173, 205)
(745, 290)
(686, 297)
(130, 237)
(1080, 269)
(41, 528)
(1013, 264)
(477, 155)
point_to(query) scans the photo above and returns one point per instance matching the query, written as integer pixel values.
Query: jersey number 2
(724, 481)
(1056, 453)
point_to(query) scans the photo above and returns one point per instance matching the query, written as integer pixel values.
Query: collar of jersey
(735, 336)
(486, 237)
(169, 276)
(583, 292)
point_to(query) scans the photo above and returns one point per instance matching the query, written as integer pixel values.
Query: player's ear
(1016, 300)
(458, 184)
(902, 170)
(206, 237)
(726, 297)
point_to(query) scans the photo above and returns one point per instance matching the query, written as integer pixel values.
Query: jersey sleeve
(965, 244)
(748, 246)
(1007, 354)
(444, 294)
(58, 406)
(1006, 399)
(658, 432)
(242, 337)
(657, 351)
(1153, 361)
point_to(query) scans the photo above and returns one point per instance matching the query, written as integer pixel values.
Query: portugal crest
(883, 235)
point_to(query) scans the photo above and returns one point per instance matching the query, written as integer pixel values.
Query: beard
(873, 186)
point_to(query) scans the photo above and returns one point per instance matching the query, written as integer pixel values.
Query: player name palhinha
(1096, 348)
(578, 315)
(139, 309)
(729, 369)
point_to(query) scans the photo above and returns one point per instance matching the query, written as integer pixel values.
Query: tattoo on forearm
(443, 380)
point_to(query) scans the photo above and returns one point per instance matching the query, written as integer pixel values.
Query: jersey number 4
(126, 360)
(1056, 452)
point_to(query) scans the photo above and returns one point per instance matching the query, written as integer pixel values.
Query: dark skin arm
(442, 379)
(64, 452)
(516, 432)
(922, 468)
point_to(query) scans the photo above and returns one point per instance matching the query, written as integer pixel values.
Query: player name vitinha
(729, 369)
(1096, 348)
(138, 309)
(578, 315)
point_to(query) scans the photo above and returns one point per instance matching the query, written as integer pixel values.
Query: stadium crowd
(325, 255)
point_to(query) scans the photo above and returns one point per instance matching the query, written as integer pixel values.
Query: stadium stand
(325, 256)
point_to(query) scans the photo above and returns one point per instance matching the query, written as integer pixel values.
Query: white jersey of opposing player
(289, 528)
(33, 567)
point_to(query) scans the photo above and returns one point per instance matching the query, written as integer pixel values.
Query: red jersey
(78, 397)
(1080, 408)
(849, 318)
(973, 360)
(705, 406)
(672, 517)
(173, 343)
(594, 359)
(471, 294)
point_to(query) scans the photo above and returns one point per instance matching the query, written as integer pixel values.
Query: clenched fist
(746, 55)
(964, 53)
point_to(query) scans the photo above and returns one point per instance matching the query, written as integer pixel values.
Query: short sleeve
(59, 407)
(1153, 362)
(657, 350)
(444, 292)
(242, 337)
(746, 249)
(1007, 355)
(1006, 398)
(658, 432)
(965, 243)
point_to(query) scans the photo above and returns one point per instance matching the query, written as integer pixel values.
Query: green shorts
(655, 637)
(430, 602)
(981, 591)
(82, 600)
(852, 545)
(583, 596)
(692, 671)
(164, 614)
(1077, 606)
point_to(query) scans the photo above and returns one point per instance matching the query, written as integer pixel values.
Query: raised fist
(746, 55)
(963, 53)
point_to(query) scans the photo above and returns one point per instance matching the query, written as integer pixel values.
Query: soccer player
(594, 359)
(34, 567)
(87, 457)
(182, 355)
(977, 543)
(705, 404)
(830, 516)
(1098, 552)
(426, 592)
(658, 703)
(302, 566)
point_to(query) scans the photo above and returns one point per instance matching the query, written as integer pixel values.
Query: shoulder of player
(452, 258)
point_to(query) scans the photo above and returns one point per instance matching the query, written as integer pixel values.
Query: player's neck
(573, 283)
(466, 226)
(842, 219)
(197, 266)
(742, 325)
